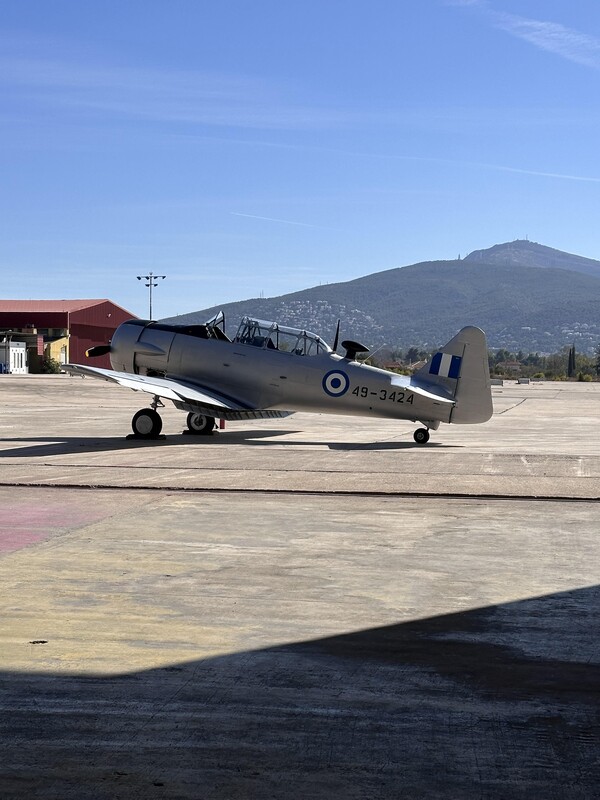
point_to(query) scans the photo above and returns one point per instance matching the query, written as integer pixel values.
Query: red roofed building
(62, 329)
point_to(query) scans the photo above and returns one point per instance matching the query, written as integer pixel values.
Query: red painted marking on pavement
(23, 524)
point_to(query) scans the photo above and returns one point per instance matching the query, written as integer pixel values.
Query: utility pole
(150, 278)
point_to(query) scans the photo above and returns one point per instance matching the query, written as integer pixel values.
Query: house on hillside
(61, 329)
(403, 366)
(509, 367)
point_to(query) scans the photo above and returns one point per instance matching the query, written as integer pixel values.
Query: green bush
(50, 365)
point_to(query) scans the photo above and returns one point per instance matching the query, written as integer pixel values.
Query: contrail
(273, 219)
(562, 176)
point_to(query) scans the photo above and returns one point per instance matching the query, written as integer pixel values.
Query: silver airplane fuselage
(272, 379)
(270, 370)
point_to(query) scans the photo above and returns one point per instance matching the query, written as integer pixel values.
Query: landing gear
(421, 436)
(146, 424)
(200, 424)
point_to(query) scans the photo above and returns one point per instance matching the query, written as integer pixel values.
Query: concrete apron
(179, 644)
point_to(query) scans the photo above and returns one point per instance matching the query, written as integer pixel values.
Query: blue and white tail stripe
(445, 365)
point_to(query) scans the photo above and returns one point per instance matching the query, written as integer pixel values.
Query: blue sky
(263, 146)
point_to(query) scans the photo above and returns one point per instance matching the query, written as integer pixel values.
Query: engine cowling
(138, 347)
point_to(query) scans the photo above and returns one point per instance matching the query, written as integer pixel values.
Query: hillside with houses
(524, 295)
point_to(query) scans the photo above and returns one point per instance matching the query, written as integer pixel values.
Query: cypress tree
(571, 368)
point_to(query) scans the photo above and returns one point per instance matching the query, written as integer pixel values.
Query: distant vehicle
(268, 370)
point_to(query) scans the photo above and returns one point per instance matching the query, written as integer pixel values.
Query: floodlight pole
(151, 277)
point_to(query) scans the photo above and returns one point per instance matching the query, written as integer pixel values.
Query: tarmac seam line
(306, 492)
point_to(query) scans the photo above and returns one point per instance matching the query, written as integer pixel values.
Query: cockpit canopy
(272, 336)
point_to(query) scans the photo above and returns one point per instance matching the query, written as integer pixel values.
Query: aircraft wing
(185, 396)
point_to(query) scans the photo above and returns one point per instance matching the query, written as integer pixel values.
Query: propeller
(98, 350)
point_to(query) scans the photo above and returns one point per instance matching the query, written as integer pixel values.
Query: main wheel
(421, 436)
(200, 424)
(147, 423)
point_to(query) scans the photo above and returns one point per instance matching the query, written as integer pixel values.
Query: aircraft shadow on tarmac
(495, 702)
(38, 446)
(391, 446)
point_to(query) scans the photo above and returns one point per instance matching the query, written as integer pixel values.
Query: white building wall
(13, 358)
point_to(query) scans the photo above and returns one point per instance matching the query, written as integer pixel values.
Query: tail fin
(461, 369)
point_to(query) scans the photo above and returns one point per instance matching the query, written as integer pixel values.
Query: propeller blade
(336, 337)
(99, 350)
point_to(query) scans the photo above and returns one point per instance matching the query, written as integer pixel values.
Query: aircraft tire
(421, 436)
(146, 424)
(200, 424)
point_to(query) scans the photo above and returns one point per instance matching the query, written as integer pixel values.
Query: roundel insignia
(336, 383)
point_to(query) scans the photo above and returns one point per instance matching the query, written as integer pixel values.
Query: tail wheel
(146, 424)
(421, 436)
(200, 424)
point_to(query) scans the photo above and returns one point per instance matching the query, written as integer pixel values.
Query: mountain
(514, 291)
(524, 253)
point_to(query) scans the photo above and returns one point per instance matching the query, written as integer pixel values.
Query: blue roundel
(336, 383)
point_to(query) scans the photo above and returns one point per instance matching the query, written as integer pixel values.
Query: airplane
(269, 370)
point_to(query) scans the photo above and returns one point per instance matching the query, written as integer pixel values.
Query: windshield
(272, 336)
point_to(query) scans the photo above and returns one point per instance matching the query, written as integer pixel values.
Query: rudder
(460, 368)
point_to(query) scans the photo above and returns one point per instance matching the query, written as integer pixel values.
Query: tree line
(566, 364)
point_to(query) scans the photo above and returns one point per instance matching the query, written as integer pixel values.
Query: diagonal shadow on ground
(495, 702)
